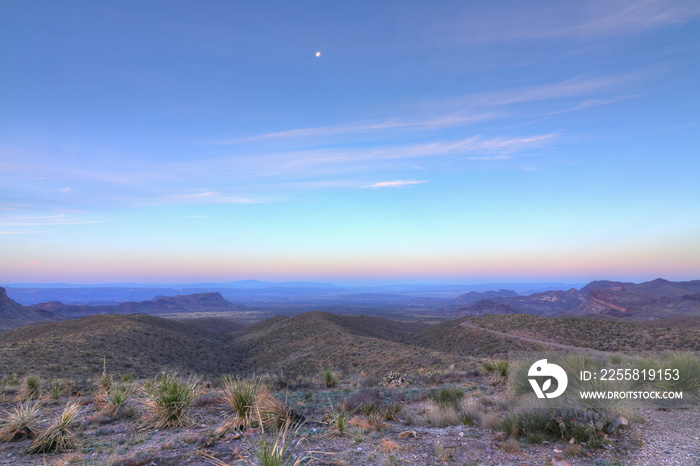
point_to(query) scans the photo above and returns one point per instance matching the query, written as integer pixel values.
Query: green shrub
(168, 401)
(449, 396)
(31, 388)
(241, 395)
(329, 377)
(499, 368)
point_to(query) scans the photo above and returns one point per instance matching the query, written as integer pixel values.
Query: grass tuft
(20, 423)
(58, 437)
(31, 389)
(168, 401)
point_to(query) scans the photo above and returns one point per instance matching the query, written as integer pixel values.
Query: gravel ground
(660, 438)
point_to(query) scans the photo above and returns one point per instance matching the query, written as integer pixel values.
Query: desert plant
(499, 368)
(56, 390)
(448, 396)
(30, 389)
(241, 395)
(20, 423)
(115, 401)
(58, 437)
(168, 401)
(105, 383)
(392, 411)
(338, 421)
(329, 377)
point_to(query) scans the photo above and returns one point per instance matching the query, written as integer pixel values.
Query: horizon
(424, 144)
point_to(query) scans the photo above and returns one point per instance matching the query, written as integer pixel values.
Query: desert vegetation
(362, 419)
(329, 390)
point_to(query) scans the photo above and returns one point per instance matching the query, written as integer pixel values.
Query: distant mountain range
(247, 291)
(201, 302)
(655, 299)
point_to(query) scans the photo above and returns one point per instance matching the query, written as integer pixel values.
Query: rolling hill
(139, 345)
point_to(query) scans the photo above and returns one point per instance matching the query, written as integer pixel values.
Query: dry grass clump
(20, 423)
(113, 402)
(30, 390)
(338, 420)
(58, 437)
(241, 395)
(168, 401)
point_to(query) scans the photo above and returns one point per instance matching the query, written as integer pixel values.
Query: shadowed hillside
(137, 344)
(306, 342)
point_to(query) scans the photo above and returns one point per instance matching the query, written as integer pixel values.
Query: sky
(178, 142)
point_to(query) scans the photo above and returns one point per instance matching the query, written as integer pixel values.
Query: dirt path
(533, 340)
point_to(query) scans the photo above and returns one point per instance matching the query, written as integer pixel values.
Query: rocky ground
(654, 437)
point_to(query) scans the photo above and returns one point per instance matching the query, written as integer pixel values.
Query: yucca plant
(329, 377)
(58, 437)
(20, 423)
(241, 395)
(500, 368)
(31, 389)
(168, 401)
(105, 383)
(56, 390)
(113, 403)
(338, 421)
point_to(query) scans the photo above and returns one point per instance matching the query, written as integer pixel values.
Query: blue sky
(160, 141)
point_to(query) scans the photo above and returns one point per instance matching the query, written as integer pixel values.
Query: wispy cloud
(491, 157)
(52, 220)
(442, 121)
(395, 184)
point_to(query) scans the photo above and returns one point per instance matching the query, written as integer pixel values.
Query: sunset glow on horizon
(210, 142)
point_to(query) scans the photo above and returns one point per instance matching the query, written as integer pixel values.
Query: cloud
(395, 184)
(52, 220)
(442, 121)
(491, 157)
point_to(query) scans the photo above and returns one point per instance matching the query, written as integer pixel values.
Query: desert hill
(307, 342)
(201, 302)
(591, 333)
(139, 345)
(13, 314)
(454, 338)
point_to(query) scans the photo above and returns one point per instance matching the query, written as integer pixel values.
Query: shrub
(241, 395)
(168, 401)
(20, 423)
(499, 368)
(56, 390)
(58, 437)
(338, 420)
(449, 396)
(392, 411)
(115, 401)
(31, 389)
(329, 377)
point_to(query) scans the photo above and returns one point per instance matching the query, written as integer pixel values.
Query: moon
(318, 54)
